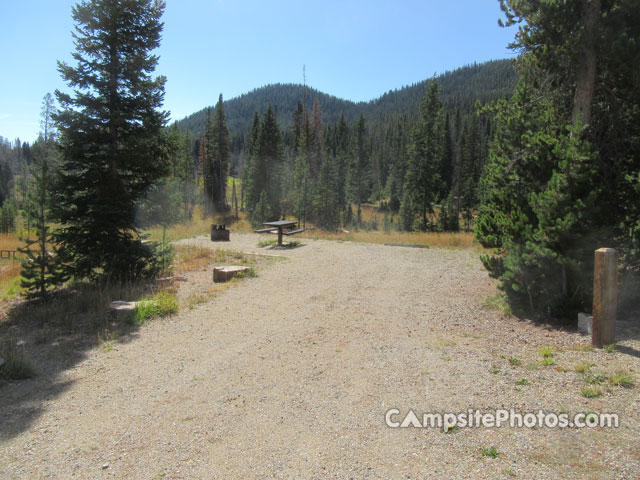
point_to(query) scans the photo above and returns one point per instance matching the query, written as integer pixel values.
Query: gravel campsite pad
(290, 375)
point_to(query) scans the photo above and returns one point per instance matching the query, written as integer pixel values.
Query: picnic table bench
(279, 227)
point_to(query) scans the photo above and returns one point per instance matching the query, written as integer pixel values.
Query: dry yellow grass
(458, 240)
(190, 258)
(10, 241)
(200, 225)
(9, 268)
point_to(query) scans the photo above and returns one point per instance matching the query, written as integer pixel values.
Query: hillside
(460, 89)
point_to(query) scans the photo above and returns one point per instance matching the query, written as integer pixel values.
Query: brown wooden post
(605, 298)
(279, 236)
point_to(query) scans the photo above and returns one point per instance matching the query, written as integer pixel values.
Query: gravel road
(290, 374)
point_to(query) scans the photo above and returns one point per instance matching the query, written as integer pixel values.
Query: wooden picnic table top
(281, 223)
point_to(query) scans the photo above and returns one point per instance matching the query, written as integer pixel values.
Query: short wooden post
(605, 298)
(280, 236)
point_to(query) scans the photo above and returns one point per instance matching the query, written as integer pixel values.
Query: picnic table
(280, 225)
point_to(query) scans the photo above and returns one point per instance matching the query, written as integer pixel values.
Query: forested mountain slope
(460, 90)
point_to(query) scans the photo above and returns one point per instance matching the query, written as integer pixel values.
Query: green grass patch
(12, 289)
(621, 378)
(159, 305)
(547, 356)
(594, 378)
(267, 243)
(583, 367)
(497, 302)
(546, 352)
(251, 273)
(609, 348)
(590, 392)
(515, 361)
(274, 243)
(490, 452)
(523, 382)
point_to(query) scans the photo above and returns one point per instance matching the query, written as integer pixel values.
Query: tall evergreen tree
(250, 192)
(41, 267)
(470, 167)
(186, 173)
(327, 201)
(563, 164)
(270, 156)
(315, 143)
(360, 172)
(398, 167)
(446, 167)
(426, 154)
(342, 160)
(265, 168)
(302, 179)
(112, 138)
(218, 155)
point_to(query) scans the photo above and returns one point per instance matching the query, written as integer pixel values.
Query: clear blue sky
(353, 49)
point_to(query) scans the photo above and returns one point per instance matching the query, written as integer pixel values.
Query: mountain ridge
(460, 89)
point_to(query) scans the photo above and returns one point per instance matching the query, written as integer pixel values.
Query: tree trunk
(587, 62)
(235, 198)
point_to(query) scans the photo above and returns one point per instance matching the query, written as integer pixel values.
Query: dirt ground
(290, 375)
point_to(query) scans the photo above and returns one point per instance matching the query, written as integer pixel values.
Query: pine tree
(470, 168)
(426, 155)
(269, 161)
(112, 139)
(218, 153)
(398, 167)
(186, 173)
(250, 191)
(261, 212)
(302, 181)
(265, 162)
(327, 201)
(315, 143)
(447, 165)
(8, 217)
(342, 159)
(564, 155)
(360, 173)
(41, 268)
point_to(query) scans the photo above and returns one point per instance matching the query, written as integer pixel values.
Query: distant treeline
(355, 153)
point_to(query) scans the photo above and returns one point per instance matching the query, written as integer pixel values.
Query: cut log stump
(120, 308)
(224, 274)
